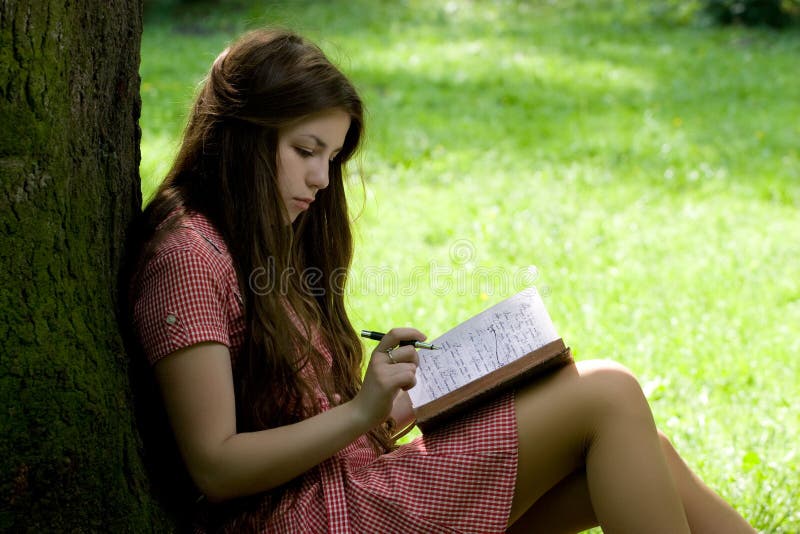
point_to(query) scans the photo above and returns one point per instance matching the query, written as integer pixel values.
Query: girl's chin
(293, 217)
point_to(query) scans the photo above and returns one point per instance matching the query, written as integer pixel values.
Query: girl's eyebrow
(320, 142)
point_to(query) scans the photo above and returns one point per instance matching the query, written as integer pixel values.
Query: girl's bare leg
(594, 416)
(564, 509)
(567, 506)
(707, 511)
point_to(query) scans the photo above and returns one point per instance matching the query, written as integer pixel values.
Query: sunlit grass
(649, 171)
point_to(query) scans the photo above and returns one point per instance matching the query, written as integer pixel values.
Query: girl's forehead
(324, 128)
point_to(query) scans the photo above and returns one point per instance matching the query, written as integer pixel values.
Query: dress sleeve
(180, 302)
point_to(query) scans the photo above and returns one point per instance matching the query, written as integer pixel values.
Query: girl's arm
(197, 387)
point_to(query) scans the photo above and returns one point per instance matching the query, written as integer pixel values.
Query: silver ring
(389, 354)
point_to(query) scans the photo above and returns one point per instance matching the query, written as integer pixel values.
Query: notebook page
(499, 335)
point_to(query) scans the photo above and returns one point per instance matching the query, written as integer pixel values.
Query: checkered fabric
(457, 479)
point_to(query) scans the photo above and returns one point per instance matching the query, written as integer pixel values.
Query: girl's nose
(318, 177)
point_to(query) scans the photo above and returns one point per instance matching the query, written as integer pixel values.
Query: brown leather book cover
(542, 360)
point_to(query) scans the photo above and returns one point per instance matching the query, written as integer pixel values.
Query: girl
(238, 306)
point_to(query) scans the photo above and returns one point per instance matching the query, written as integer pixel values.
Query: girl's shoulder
(192, 232)
(188, 250)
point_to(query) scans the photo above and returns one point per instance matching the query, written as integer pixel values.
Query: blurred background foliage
(635, 160)
(773, 13)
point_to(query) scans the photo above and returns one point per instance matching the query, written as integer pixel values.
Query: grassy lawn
(647, 167)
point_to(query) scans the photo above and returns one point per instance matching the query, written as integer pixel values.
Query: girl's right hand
(384, 379)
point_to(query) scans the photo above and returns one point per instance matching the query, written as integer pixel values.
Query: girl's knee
(611, 385)
(604, 366)
(587, 393)
(608, 371)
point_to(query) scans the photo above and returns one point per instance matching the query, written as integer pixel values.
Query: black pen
(417, 344)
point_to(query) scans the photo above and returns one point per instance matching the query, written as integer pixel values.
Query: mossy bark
(69, 185)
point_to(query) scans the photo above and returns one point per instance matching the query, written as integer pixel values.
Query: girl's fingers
(405, 375)
(407, 354)
(393, 337)
(398, 374)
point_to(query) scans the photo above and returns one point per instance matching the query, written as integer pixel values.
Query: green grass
(646, 165)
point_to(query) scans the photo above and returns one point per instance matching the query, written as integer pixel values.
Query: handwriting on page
(488, 341)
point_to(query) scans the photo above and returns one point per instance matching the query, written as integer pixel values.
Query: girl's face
(305, 151)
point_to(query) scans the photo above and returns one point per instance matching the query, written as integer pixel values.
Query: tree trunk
(69, 185)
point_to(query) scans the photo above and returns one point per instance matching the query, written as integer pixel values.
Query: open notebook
(510, 342)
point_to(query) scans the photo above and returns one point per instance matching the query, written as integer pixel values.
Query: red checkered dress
(458, 479)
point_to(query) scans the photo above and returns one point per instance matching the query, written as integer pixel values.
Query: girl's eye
(303, 152)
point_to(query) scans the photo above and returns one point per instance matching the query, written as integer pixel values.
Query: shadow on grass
(612, 88)
(648, 102)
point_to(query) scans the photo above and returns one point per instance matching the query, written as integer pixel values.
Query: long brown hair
(226, 169)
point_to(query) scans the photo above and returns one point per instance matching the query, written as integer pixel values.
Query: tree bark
(69, 185)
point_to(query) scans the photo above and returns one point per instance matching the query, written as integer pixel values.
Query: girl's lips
(302, 203)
